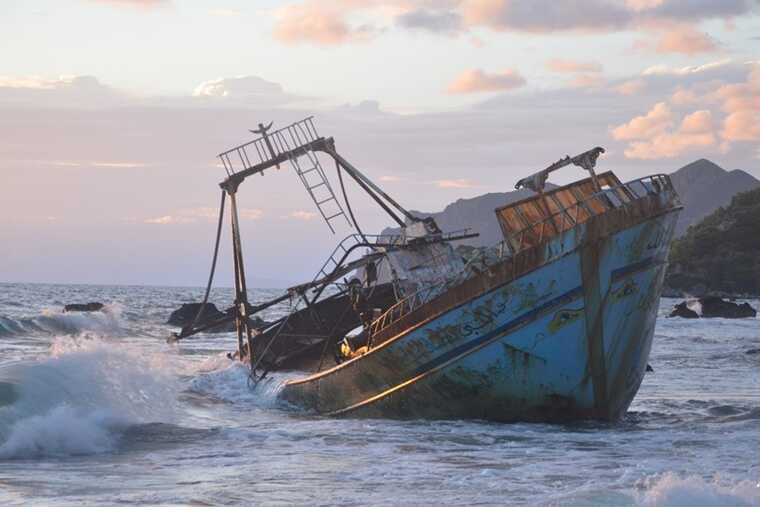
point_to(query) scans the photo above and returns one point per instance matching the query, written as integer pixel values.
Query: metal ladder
(293, 143)
(318, 186)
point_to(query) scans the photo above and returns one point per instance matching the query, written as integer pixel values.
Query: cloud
(203, 214)
(250, 214)
(318, 23)
(572, 66)
(587, 81)
(683, 71)
(455, 183)
(683, 96)
(654, 123)
(119, 165)
(243, 86)
(302, 215)
(630, 87)
(445, 22)
(477, 81)
(329, 22)
(741, 102)
(135, 3)
(65, 91)
(653, 136)
(546, 15)
(168, 220)
(95, 163)
(683, 39)
(391, 179)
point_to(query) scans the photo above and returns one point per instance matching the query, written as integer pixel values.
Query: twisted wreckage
(552, 324)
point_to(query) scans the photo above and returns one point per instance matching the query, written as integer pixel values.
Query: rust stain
(627, 289)
(564, 317)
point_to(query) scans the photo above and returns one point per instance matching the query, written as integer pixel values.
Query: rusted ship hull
(559, 331)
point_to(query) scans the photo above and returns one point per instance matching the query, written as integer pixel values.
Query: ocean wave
(672, 490)
(229, 381)
(106, 322)
(79, 399)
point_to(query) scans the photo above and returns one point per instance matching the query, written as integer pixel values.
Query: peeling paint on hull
(563, 333)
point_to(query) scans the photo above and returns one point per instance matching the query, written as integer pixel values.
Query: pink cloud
(683, 96)
(685, 40)
(571, 66)
(321, 23)
(303, 215)
(328, 22)
(309, 23)
(654, 123)
(135, 3)
(455, 183)
(741, 102)
(477, 81)
(652, 136)
(631, 87)
(587, 81)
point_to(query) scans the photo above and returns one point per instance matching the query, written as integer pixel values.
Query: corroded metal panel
(535, 219)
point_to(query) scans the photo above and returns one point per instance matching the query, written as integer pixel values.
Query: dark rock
(186, 313)
(683, 311)
(78, 307)
(713, 306)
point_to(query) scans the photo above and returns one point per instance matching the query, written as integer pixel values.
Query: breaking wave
(671, 490)
(78, 400)
(229, 381)
(106, 322)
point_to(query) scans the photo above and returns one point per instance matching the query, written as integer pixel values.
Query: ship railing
(609, 198)
(410, 303)
(270, 147)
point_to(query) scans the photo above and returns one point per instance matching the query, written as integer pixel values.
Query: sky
(112, 113)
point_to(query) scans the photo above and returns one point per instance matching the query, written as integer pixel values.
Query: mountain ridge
(702, 185)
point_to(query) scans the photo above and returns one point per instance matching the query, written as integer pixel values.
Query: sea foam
(76, 400)
(104, 322)
(672, 490)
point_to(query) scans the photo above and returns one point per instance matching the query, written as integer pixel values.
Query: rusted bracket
(586, 160)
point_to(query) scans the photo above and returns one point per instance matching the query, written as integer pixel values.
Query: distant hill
(703, 187)
(721, 254)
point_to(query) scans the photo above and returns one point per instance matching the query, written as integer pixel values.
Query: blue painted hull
(568, 339)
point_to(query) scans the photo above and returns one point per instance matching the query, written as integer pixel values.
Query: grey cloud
(83, 92)
(552, 15)
(696, 10)
(444, 21)
(584, 15)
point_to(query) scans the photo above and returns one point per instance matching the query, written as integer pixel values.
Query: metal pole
(241, 291)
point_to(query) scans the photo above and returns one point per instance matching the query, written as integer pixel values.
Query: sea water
(97, 409)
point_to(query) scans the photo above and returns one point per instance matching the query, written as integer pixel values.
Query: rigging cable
(348, 204)
(211, 274)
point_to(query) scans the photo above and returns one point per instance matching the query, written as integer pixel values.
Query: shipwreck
(554, 323)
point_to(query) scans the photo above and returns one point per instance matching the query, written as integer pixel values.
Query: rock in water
(711, 307)
(78, 307)
(682, 310)
(184, 315)
(716, 307)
